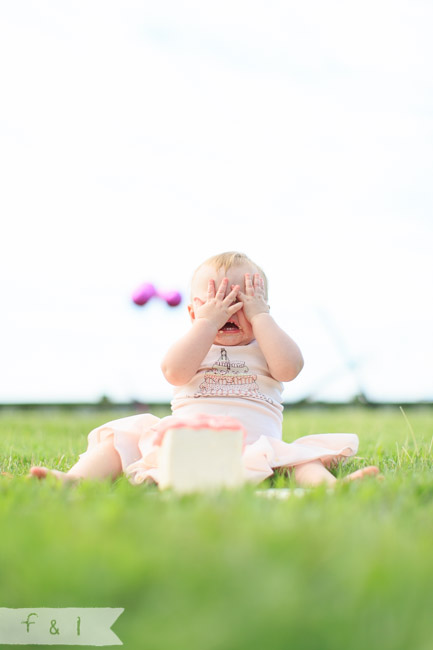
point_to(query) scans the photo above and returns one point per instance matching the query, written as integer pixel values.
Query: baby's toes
(39, 472)
(371, 470)
(42, 472)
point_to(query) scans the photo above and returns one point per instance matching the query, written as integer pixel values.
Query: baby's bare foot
(42, 472)
(371, 470)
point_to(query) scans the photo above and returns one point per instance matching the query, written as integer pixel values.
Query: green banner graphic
(59, 625)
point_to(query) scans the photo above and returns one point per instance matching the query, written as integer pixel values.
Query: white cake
(199, 459)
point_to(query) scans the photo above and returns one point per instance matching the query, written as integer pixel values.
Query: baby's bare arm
(282, 355)
(185, 356)
(183, 359)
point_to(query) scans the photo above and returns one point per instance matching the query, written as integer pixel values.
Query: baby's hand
(218, 307)
(253, 299)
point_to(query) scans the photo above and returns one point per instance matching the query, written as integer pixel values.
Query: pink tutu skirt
(137, 439)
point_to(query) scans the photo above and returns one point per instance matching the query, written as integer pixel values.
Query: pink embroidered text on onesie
(234, 381)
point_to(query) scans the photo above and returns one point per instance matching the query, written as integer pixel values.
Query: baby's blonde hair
(232, 258)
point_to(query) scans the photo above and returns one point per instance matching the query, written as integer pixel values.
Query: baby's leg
(314, 473)
(99, 463)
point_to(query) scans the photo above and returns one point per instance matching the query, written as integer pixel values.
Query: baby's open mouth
(229, 327)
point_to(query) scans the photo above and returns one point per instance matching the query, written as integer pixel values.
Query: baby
(231, 362)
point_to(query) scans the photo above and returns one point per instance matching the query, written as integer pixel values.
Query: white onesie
(234, 381)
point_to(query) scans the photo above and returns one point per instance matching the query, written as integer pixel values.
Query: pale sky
(139, 138)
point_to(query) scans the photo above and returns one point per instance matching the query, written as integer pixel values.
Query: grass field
(351, 568)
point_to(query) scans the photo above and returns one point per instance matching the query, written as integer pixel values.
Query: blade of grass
(410, 428)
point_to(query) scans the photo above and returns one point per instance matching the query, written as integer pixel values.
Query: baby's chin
(232, 338)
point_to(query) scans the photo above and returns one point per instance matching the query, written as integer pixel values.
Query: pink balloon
(147, 291)
(172, 298)
(143, 294)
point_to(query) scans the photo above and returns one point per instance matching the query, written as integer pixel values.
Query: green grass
(352, 568)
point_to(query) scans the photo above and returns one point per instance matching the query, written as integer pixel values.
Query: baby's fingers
(222, 289)
(233, 293)
(211, 290)
(259, 283)
(234, 308)
(249, 289)
(197, 303)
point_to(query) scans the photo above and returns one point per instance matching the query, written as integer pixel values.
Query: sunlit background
(139, 138)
